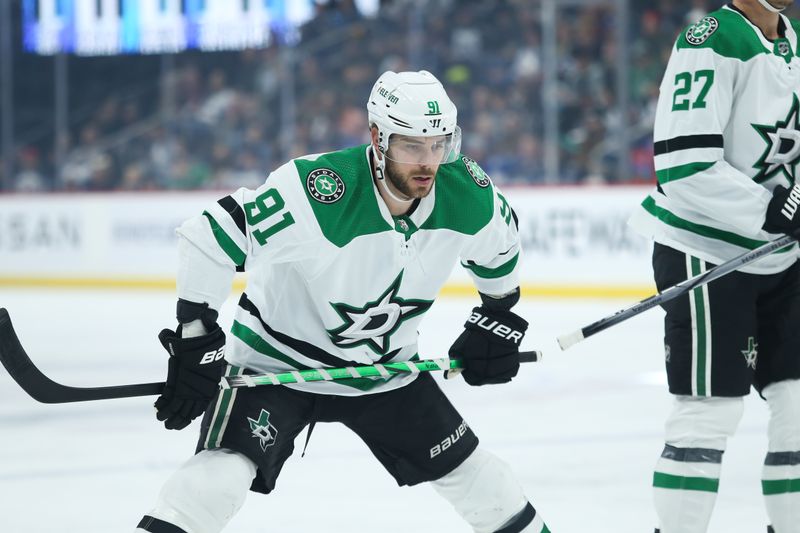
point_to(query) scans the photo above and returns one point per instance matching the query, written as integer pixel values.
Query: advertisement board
(575, 240)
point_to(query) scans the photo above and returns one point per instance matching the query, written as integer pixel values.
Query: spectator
(232, 120)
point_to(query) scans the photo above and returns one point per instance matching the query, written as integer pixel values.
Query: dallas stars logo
(698, 33)
(751, 353)
(325, 185)
(373, 324)
(476, 172)
(783, 146)
(263, 430)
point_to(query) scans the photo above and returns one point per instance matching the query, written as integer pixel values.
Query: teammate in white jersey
(345, 251)
(727, 146)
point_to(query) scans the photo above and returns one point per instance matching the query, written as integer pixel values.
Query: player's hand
(195, 367)
(782, 215)
(489, 346)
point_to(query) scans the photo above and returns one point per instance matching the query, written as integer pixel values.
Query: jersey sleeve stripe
(684, 157)
(681, 171)
(225, 242)
(492, 273)
(235, 211)
(686, 142)
(671, 219)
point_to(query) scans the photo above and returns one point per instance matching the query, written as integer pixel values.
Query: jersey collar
(419, 212)
(784, 28)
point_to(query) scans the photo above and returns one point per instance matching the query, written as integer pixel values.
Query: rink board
(576, 241)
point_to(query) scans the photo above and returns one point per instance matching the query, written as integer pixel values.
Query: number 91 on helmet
(415, 119)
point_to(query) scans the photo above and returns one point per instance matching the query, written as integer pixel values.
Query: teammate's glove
(195, 367)
(782, 210)
(489, 346)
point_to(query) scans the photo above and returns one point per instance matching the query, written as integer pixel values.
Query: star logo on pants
(751, 353)
(262, 430)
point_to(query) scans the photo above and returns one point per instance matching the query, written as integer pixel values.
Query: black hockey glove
(195, 367)
(489, 346)
(781, 211)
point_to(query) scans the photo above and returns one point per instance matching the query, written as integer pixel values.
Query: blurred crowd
(223, 120)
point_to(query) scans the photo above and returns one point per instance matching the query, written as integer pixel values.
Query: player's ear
(373, 130)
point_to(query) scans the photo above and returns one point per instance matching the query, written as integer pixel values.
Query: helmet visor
(436, 150)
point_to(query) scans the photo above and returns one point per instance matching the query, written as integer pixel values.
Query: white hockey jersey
(727, 132)
(333, 278)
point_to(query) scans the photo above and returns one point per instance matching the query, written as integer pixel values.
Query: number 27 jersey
(727, 132)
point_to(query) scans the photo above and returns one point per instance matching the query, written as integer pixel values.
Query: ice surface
(582, 430)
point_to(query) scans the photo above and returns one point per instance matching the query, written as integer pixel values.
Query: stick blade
(19, 365)
(45, 390)
(570, 339)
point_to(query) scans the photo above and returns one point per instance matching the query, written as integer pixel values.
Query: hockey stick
(367, 371)
(45, 390)
(570, 339)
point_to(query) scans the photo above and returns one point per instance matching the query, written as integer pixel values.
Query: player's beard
(405, 183)
(780, 4)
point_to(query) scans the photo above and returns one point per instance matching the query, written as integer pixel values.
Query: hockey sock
(686, 478)
(526, 521)
(685, 485)
(780, 479)
(154, 525)
(484, 491)
(203, 495)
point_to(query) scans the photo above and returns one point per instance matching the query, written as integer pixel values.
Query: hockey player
(727, 146)
(345, 252)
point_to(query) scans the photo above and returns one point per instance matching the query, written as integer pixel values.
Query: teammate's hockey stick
(45, 390)
(569, 339)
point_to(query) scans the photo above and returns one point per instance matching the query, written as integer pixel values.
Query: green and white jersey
(727, 132)
(333, 278)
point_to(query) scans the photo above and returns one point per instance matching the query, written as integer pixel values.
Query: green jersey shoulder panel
(726, 32)
(795, 26)
(464, 198)
(339, 189)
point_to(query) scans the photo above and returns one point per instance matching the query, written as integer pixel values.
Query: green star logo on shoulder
(476, 172)
(325, 185)
(783, 146)
(751, 353)
(699, 32)
(262, 430)
(374, 323)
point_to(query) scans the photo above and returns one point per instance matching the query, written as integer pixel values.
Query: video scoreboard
(108, 27)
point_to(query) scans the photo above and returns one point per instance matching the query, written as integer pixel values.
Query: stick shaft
(42, 388)
(365, 371)
(565, 341)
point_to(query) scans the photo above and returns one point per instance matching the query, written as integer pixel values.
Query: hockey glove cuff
(194, 370)
(782, 214)
(489, 346)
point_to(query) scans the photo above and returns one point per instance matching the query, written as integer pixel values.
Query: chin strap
(769, 7)
(380, 170)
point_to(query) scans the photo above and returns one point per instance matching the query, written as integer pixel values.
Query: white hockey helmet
(414, 104)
